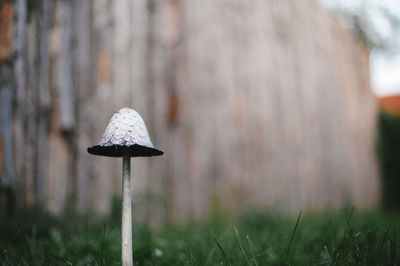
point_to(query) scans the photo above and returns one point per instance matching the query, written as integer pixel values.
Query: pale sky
(385, 68)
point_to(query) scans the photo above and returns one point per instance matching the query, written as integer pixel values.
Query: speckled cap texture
(126, 132)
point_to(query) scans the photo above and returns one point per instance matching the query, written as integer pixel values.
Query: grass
(254, 238)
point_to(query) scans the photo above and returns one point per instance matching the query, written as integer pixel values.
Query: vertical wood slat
(7, 86)
(6, 95)
(65, 87)
(31, 110)
(103, 105)
(21, 94)
(7, 92)
(43, 102)
(83, 74)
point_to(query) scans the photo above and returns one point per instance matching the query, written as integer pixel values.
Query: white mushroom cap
(126, 128)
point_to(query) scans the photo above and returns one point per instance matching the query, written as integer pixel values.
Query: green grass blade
(348, 219)
(251, 250)
(220, 248)
(292, 236)
(240, 246)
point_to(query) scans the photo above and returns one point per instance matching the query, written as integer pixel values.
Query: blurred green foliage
(388, 146)
(255, 238)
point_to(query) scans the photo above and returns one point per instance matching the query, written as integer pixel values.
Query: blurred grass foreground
(254, 238)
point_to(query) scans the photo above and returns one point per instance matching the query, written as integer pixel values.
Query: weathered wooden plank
(104, 169)
(64, 86)
(43, 103)
(6, 114)
(83, 73)
(31, 110)
(7, 195)
(20, 45)
(7, 88)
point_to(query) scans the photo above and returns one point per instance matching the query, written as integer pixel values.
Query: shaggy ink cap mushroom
(126, 136)
(126, 131)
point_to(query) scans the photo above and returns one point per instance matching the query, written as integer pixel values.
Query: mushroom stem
(127, 259)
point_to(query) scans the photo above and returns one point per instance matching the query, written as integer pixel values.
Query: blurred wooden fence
(254, 102)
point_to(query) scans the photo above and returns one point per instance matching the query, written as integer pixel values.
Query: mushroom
(126, 136)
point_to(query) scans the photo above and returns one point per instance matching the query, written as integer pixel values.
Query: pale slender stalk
(127, 259)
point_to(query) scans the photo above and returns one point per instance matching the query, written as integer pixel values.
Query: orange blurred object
(391, 104)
